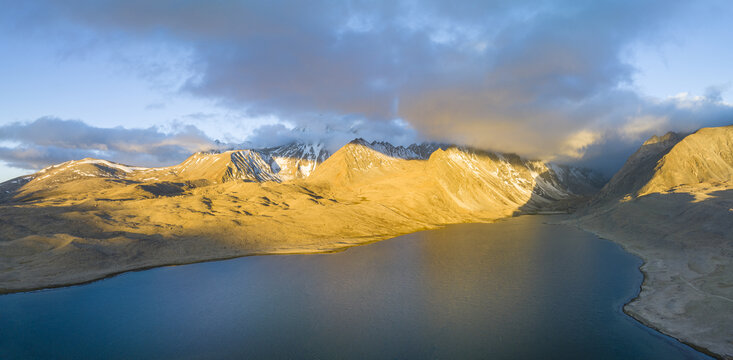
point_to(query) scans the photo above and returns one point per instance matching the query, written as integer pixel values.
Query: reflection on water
(517, 289)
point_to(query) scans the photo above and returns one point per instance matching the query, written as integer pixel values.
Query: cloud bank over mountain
(547, 79)
(49, 141)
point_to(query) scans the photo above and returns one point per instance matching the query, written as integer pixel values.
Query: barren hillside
(672, 204)
(86, 219)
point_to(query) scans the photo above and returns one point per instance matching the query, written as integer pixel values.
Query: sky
(150, 82)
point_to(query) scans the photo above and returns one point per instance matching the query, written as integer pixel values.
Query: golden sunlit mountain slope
(672, 204)
(87, 219)
(244, 165)
(704, 157)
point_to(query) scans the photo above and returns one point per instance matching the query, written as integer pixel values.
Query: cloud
(635, 119)
(333, 134)
(637, 126)
(576, 143)
(541, 78)
(48, 141)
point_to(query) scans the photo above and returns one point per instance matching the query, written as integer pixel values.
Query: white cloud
(576, 144)
(48, 141)
(638, 127)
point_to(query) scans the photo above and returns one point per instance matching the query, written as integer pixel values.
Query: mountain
(85, 168)
(60, 178)
(84, 219)
(357, 162)
(476, 180)
(413, 152)
(471, 178)
(297, 160)
(236, 165)
(704, 157)
(672, 204)
(638, 169)
(277, 164)
(202, 168)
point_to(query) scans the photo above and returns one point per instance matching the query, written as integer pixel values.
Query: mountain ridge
(289, 162)
(672, 205)
(93, 217)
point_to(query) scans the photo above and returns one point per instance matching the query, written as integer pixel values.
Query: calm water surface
(518, 289)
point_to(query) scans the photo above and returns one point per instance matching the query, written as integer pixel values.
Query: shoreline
(641, 320)
(378, 238)
(624, 307)
(645, 277)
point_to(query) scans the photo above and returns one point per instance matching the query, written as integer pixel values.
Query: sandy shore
(687, 248)
(628, 308)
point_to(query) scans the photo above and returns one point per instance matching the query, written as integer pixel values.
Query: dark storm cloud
(540, 78)
(48, 141)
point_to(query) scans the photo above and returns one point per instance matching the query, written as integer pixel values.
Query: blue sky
(149, 82)
(690, 55)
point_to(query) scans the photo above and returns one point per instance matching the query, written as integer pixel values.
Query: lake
(516, 289)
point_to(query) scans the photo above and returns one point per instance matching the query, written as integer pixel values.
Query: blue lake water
(517, 289)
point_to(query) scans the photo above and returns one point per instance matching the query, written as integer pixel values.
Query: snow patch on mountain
(420, 151)
(250, 165)
(297, 160)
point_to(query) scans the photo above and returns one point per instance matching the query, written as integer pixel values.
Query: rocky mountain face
(297, 160)
(237, 165)
(672, 204)
(420, 151)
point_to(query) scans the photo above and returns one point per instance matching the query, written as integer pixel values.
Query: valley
(87, 219)
(671, 204)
